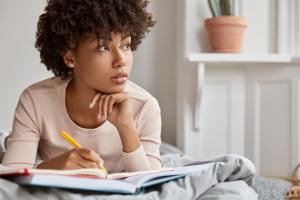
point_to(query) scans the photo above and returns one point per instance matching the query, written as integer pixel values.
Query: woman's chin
(113, 90)
(116, 91)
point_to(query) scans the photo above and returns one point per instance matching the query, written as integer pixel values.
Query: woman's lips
(119, 78)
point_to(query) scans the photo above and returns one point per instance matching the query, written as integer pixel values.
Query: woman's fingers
(106, 103)
(75, 165)
(85, 163)
(95, 99)
(91, 158)
(111, 104)
(100, 104)
(120, 97)
(116, 98)
(105, 106)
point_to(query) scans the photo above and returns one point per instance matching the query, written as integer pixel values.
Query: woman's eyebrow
(125, 36)
(103, 41)
(106, 39)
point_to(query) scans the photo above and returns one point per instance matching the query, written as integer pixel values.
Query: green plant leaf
(232, 7)
(214, 7)
(227, 7)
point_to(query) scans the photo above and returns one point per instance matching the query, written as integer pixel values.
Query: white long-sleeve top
(41, 114)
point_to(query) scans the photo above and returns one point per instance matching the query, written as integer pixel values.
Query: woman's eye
(127, 46)
(102, 49)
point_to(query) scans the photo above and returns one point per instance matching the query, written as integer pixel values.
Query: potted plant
(225, 29)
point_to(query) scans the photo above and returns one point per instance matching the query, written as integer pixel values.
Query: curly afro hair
(65, 23)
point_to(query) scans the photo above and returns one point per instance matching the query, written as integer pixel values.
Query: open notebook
(97, 180)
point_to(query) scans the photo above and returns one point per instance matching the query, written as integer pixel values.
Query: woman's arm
(149, 129)
(140, 142)
(135, 157)
(22, 143)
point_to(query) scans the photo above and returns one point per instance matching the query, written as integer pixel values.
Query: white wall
(19, 60)
(155, 64)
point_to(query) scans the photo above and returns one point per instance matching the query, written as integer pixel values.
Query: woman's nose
(119, 59)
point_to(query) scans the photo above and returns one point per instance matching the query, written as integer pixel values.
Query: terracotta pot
(226, 33)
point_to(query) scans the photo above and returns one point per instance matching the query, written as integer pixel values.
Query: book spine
(139, 190)
(26, 172)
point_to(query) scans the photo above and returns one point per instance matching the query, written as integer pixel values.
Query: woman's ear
(69, 59)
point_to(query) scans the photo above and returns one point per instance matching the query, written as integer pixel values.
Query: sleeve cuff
(136, 160)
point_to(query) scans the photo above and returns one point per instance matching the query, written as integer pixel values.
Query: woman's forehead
(106, 36)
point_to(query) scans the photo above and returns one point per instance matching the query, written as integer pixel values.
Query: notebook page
(77, 172)
(137, 173)
(2, 167)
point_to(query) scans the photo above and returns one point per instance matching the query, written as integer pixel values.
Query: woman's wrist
(129, 137)
(125, 126)
(42, 165)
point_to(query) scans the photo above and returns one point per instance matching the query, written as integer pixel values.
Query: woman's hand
(117, 109)
(113, 107)
(76, 158)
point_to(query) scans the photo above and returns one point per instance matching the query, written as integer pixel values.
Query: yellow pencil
(69, 139)
(74, 143)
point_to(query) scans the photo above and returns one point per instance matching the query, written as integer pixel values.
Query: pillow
(3, 135)
(166, 148)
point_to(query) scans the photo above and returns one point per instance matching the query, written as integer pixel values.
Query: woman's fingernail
(91, 105)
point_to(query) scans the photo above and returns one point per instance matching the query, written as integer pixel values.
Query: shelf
(240, 58)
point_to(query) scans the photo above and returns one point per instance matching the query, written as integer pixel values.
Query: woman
(88, 46)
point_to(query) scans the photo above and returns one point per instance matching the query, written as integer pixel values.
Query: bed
(266, 188)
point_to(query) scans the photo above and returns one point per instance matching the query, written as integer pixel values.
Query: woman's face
(104, 65)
